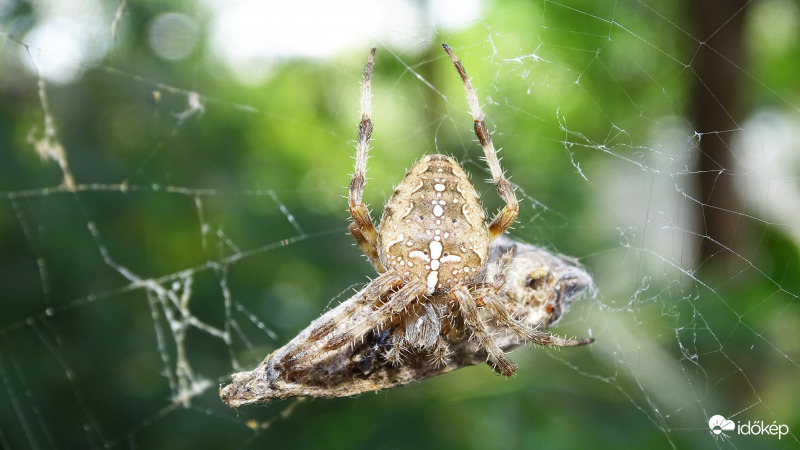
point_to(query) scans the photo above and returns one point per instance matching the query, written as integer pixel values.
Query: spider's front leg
(489, 297)
(395, 304)
(330, 333)
(504, 319)
(362, 228)
(506, 217)
(469, 310)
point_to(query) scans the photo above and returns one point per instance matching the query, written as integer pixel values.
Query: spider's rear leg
(506, 217)
(362, 228)
(361, 232)
(469, 310)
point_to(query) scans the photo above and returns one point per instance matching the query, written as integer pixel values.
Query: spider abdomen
(434, 228)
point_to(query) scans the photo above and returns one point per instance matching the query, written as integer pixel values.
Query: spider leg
(502, 316)
(326, 329)
(506, 217)
(362, 228)
(372, 294)
(396, 304)
(440, 356)
(469, 310)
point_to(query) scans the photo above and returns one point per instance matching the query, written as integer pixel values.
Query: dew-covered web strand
(575, 138)
(585, 142)
(169, 296)
(16, 401)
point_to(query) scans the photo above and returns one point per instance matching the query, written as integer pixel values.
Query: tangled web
(172, 182)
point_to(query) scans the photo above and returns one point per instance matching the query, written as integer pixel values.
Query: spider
(537, 286)
(430, 248)
(443, 272)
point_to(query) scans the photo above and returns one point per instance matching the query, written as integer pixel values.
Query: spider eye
(421, 218)
(454, 220)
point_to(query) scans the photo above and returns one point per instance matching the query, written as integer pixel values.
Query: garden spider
(452, 290)
(432, 243)
(537, 287)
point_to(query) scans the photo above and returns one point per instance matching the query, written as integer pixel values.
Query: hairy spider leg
(396, 304)
(501, 315)
(506, 217)
(362, 228)
(371, 295)
(469, 311)
(488, 296)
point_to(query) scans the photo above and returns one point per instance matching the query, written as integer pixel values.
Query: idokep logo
(718, 424)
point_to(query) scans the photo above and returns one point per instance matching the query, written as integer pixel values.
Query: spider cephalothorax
(433, 239)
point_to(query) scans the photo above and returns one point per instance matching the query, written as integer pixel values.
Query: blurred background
(172, 209)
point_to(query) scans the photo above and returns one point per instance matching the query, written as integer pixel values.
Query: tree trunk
(717, 118)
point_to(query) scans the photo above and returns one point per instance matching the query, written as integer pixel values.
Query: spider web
(173, 211)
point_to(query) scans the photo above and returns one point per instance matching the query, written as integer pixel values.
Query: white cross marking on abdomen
(435, 260)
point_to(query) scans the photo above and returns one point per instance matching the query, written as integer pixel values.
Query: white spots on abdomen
(396, 240)
(408, 211)
(451, 258)
(419, 255)
(436, 249)
(438, 213)
(433, 280)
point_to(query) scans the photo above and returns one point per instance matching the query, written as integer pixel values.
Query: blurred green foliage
(575, 94)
